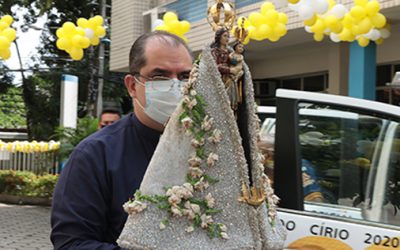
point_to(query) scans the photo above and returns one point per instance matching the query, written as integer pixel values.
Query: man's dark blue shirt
(102, 173)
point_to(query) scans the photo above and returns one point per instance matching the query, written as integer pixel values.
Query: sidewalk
(24, 227)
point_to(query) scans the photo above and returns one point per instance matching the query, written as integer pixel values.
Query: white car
(347, 151)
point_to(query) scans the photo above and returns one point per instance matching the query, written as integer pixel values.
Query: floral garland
(179, 201)
(29, 147)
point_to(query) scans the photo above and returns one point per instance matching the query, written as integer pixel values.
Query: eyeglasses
(162, 83)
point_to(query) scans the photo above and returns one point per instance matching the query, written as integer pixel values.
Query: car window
(341, 155)
(350, 162)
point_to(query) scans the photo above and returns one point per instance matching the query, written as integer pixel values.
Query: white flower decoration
(207, 123)
(210, 200)
(195, 172)
(212, 158)
(216, 136)
(134, 207)
(187, 122)
(194, 161)
(196, 143)
(206, 220)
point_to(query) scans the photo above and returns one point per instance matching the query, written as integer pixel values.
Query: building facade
(296, 61)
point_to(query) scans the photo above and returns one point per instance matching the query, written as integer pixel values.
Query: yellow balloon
(265, 30)
(98, 20)
(345, 35)
(10, 33)
(379, 41)
(256, 19)
(271, 17)
(3, 25)
(76, 53)
(358, 12)
(68, 28)
(4, 43)
(174, 26)
(60, 32)
(280, 29)
(379, 20)
(92, 24)
(100, 31)
(257, 34)
(330, 21)
(365, 25)
(331, 3)
(318, 37)
(372, 7)
(76, 40)
(5, 54)
(185, 25)
(360, 3)
(355, 30)
(274, 38)
(336, 28)
(63, 43)
(169, 17)
(318, 27)
(82, 22)
(348, 21)
(95, 41)
(266, 6)
(7, 19)
(293, 1)
(311, 21)
(362, 41)
(283, 18)
(85, 42)
(80, 31)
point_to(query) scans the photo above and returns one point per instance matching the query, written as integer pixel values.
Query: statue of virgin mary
(205, 187)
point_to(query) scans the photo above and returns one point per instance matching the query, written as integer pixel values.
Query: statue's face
(224, 40)
(239, 48)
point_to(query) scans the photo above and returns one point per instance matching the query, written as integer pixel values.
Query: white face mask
(162, 98)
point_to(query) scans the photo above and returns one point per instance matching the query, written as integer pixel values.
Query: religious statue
(205, 186)
(221, 54)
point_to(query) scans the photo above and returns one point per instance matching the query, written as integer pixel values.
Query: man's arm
(78, 218)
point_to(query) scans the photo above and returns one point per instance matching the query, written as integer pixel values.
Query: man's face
(107, 119)
(162, 59)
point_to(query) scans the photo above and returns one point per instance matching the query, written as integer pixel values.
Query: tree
(58, 62)
(6, 78)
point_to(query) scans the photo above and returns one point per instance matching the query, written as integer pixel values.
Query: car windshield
(350, 161)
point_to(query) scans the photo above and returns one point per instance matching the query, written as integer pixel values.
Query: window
(350, 162)
(265, 88)
(384, 76)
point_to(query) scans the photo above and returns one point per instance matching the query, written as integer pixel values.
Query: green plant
(70, 137)
(25, 183)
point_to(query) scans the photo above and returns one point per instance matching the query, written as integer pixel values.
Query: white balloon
(320, 6)
(156, 23)
(89, 33)
(308, 29)
(385, 33)
(339, 10)
(334, 37)
(305, 12)
(375, 34)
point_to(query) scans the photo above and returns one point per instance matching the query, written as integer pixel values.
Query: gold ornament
(214, 15)
(255, 196)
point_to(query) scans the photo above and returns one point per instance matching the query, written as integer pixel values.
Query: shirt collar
(147, 132)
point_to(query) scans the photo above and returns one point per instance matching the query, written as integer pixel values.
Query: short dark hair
(110, 111)
(137, 58)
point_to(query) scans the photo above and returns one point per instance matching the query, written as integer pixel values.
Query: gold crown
(229, 15)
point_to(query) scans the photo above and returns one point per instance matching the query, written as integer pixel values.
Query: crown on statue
(227, 12)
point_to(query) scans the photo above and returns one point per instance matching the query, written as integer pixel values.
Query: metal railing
(36, 162)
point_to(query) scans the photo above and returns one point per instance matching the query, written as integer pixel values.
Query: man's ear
(130, 84)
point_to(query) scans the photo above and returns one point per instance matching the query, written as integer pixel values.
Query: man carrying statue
(185, 165)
